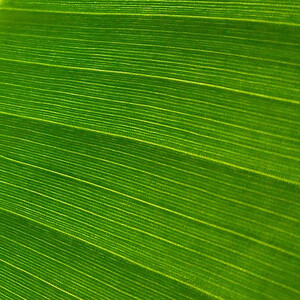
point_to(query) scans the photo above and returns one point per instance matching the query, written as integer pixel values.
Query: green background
(149, 150)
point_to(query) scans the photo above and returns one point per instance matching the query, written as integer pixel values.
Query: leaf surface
(149, 150)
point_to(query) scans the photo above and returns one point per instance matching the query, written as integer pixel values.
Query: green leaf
(149, 149)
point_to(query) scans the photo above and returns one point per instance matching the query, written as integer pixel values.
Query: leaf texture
(149, 150)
